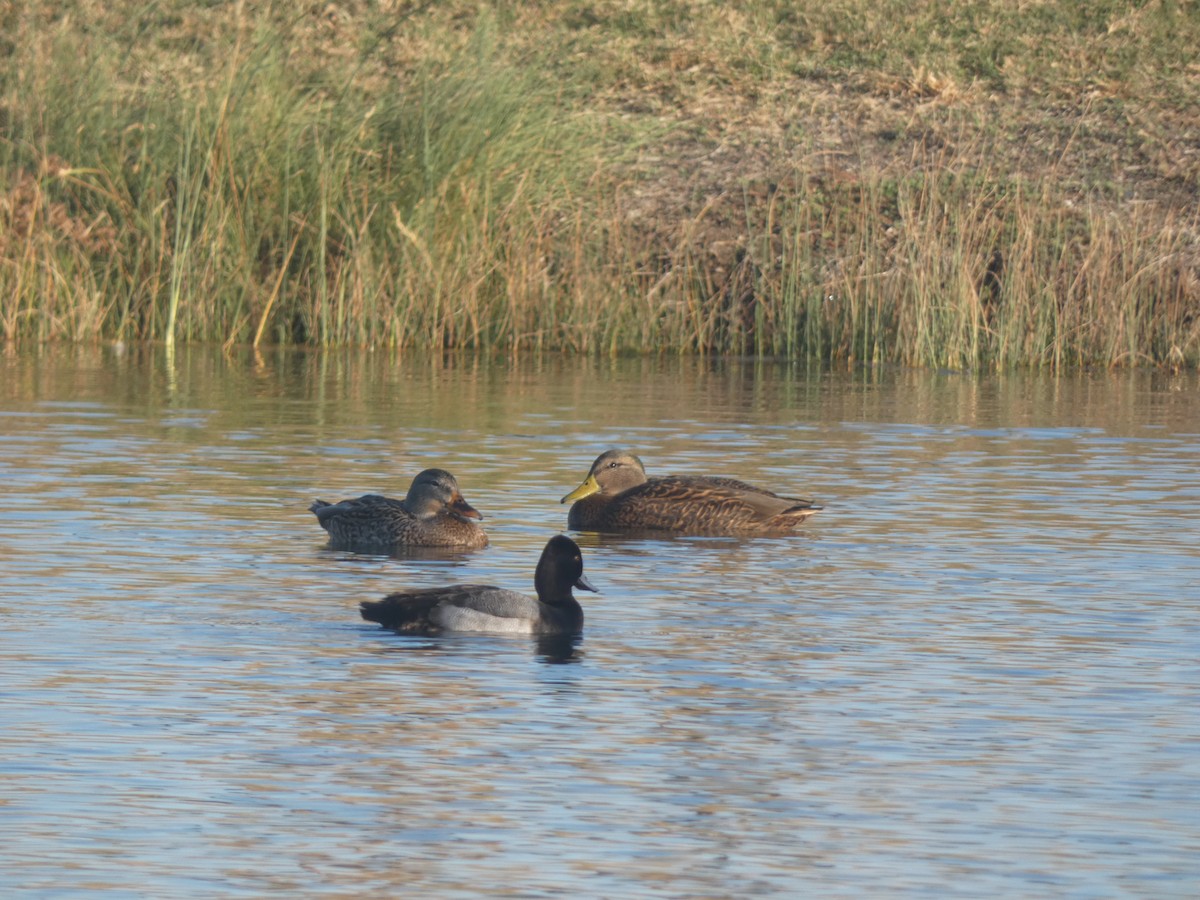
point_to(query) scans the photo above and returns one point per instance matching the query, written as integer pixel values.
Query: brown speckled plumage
(617, 496)
(433, 514)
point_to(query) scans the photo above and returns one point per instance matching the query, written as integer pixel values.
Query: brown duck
(433, 514)
(617, 496)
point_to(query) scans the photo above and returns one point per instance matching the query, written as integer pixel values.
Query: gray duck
(481, 607)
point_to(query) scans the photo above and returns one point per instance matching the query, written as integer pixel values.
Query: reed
(421, 182)
(957, 268)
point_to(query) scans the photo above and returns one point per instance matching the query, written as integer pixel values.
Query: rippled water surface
(975, 674)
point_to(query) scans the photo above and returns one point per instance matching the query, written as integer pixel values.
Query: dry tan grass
(859, 181)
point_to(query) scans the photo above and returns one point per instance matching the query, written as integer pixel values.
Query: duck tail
(400, 612)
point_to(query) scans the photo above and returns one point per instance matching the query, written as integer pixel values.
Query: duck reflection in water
(551, 649)
(559, 649)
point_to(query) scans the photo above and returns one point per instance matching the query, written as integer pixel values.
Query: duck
(432, 514)
(482, 607)
(618, 496)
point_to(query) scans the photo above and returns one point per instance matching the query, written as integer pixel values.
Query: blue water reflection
(976, 673)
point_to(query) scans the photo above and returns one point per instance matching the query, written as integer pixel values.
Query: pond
(976, 673)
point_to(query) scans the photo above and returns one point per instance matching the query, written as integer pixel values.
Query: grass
(984, 185)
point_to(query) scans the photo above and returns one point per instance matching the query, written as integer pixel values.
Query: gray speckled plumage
(617, 496)
(432, 514)
(481, 607)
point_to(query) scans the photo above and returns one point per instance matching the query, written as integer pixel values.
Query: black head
(559, 570)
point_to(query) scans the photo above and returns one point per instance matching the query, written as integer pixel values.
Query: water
(976, 674)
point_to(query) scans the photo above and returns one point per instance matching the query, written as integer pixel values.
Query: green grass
(984, 185)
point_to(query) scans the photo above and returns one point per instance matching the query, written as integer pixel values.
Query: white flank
(456, 618)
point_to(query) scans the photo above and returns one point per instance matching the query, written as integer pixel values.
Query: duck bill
(465, 509)
(589, 487)
(584, 585)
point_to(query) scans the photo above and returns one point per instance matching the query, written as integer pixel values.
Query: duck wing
(366, 507)
(699, 504)
(489, 609)
(733, 484)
